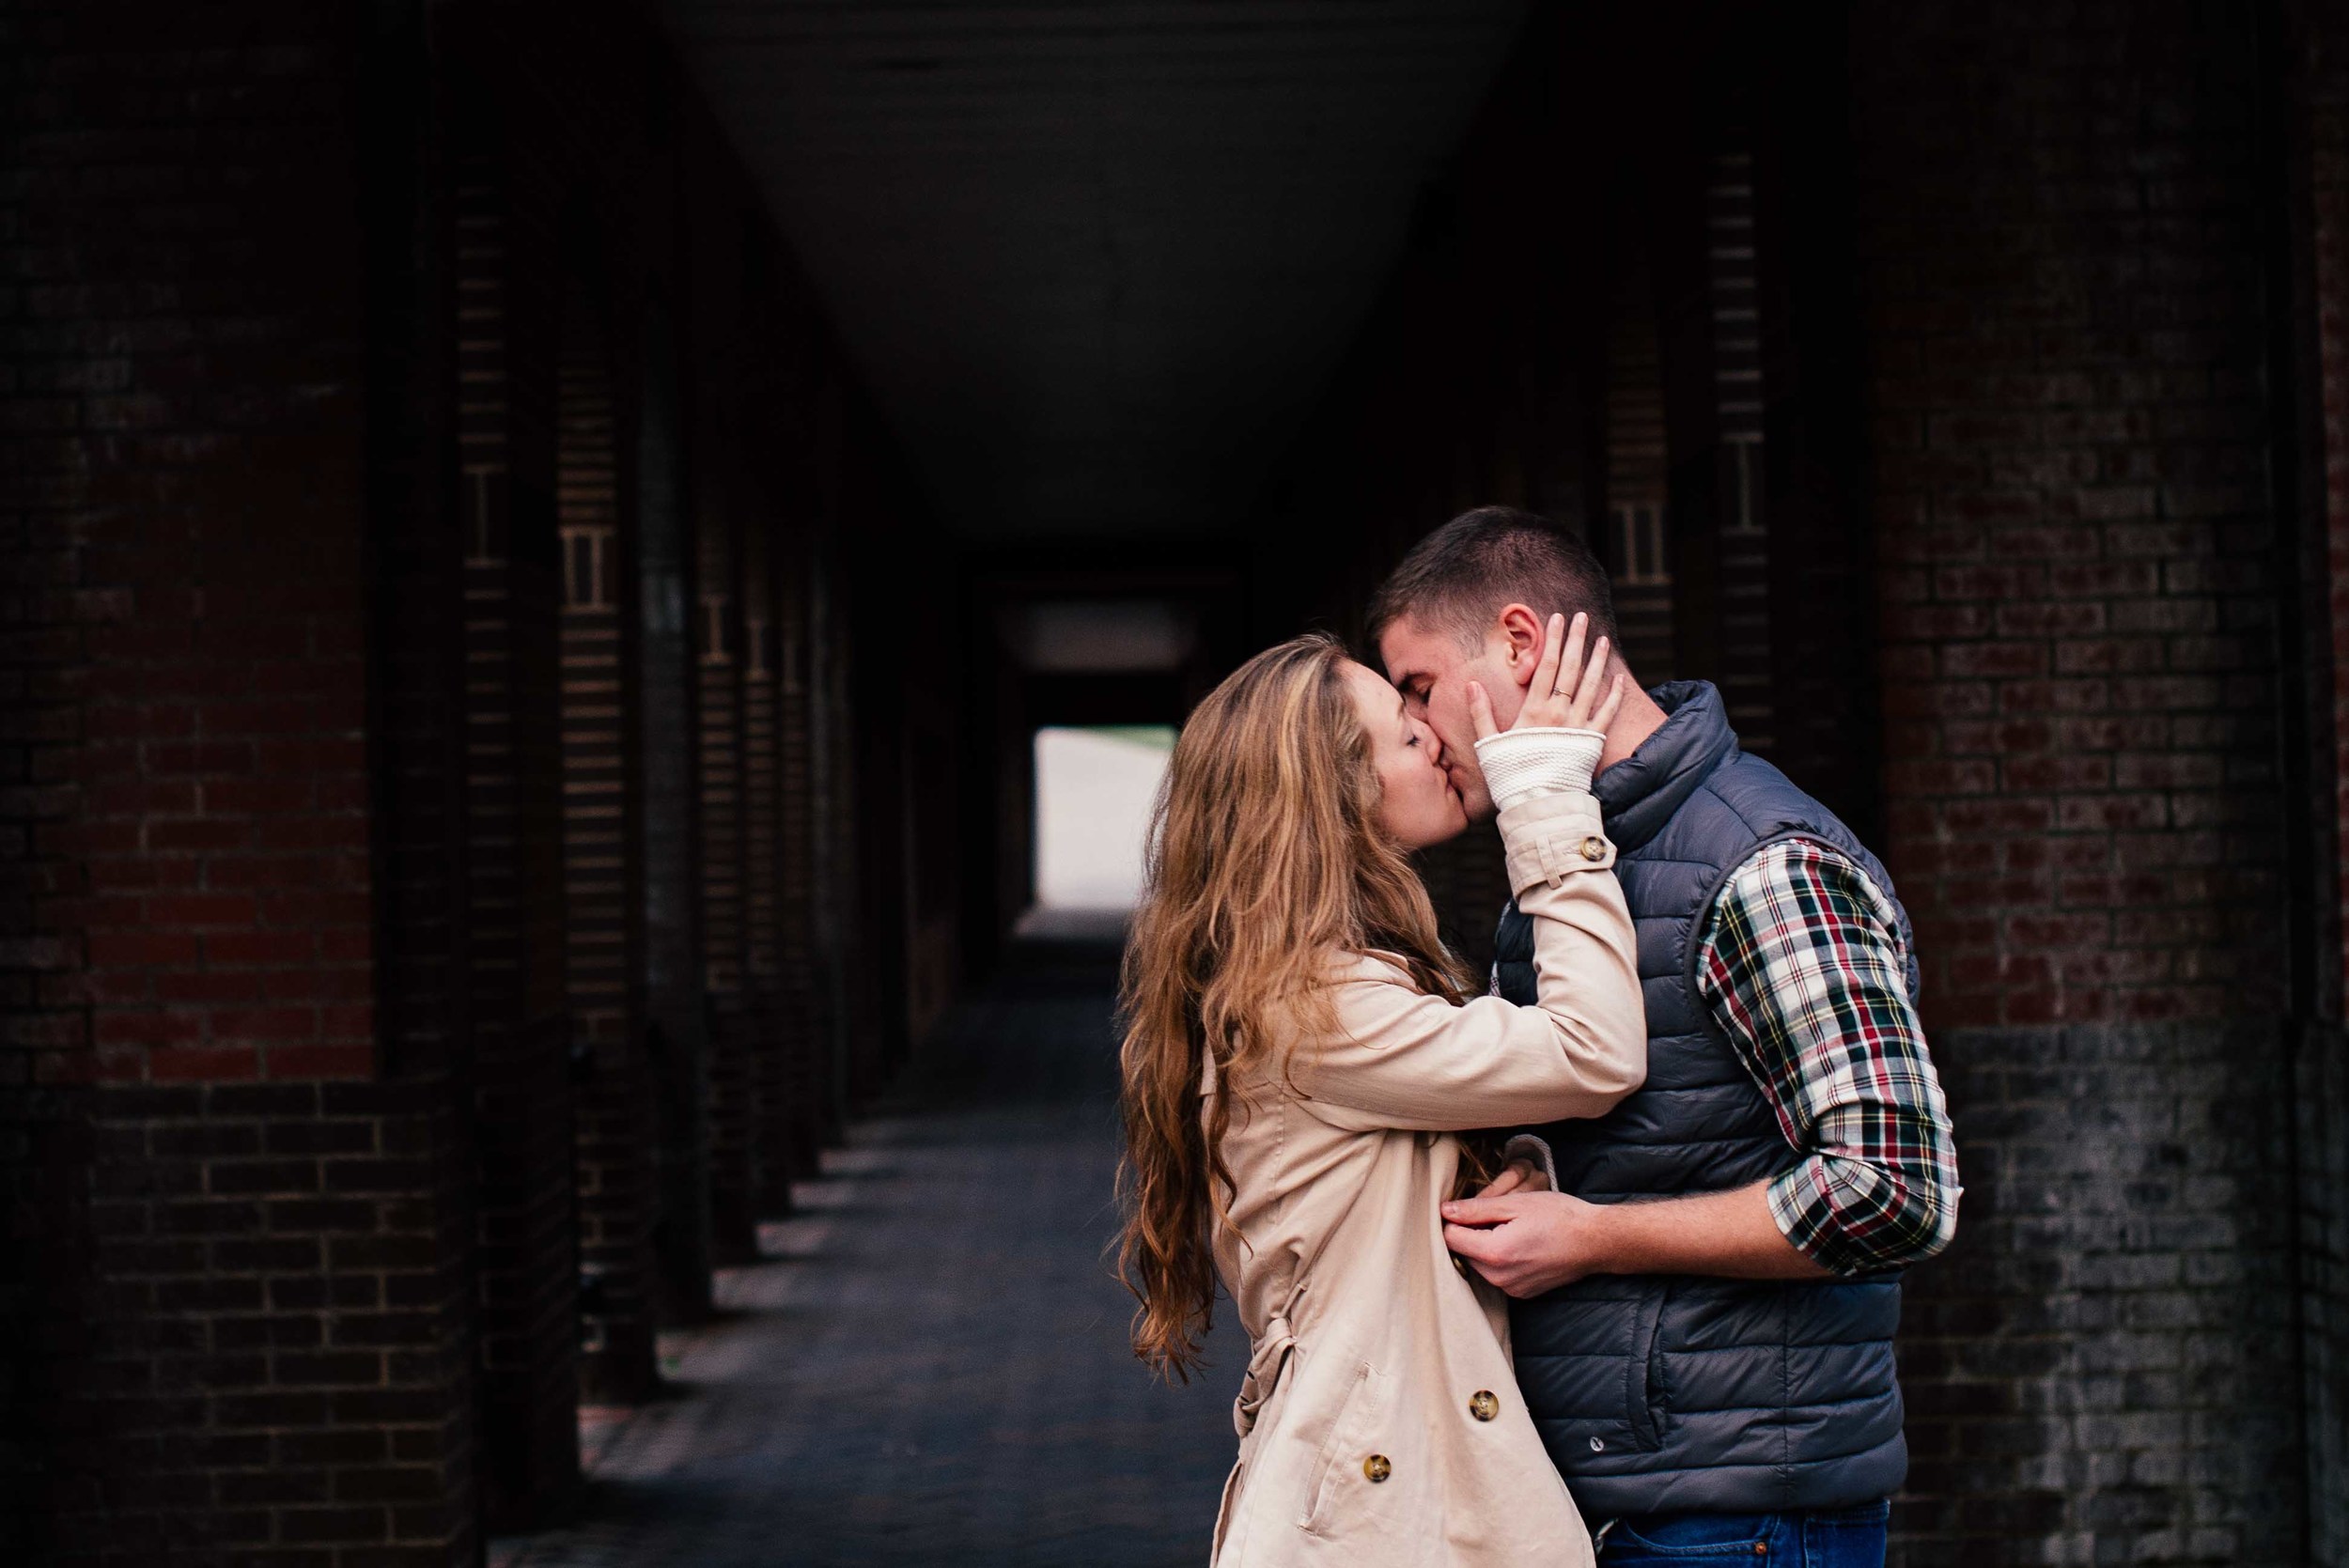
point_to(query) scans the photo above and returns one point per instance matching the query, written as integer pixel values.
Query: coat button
(1377, 1467)
(1483, 1405)
(1598, 1446)
(1594, 848)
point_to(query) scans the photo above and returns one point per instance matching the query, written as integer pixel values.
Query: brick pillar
(526, 1262)
(1721, 499)
(774, 1107)
(238, 1291)
(613, 1116)
(804, 997)
(832, 809)
(1637, 543)
(675, 1015)
(2062, 242)
(733, 1211)
(2315, 66)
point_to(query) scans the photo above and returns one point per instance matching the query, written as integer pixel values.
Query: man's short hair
(1457, 578)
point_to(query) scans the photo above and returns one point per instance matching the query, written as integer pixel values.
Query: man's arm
(1526, 1243)
(1802, 970)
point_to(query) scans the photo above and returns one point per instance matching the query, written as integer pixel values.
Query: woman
(1300, 1056)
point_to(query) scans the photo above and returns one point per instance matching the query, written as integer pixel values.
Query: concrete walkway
(930, 1367)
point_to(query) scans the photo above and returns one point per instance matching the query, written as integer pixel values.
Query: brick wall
(2321, 1105)
(298, 425)
(2062, 273)
(714, 439)
(187, 758)
(244, 1325)
(275, 1322)
(2316, 47)
(807, 999)
(836, 812)
(507, 308)
(775, 1132)
(613, 1159)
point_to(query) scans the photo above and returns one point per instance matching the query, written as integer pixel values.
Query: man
(1705, 1302)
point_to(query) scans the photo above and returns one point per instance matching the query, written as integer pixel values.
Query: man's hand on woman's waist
(1526, 1243)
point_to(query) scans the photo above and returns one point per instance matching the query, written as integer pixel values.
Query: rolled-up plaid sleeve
(1803, 969)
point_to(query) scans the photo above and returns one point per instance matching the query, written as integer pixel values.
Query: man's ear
(1521, 631)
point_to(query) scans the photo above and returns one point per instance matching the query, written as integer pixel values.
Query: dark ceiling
(1096, 260)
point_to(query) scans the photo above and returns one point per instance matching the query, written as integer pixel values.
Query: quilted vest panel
(1687, 1394)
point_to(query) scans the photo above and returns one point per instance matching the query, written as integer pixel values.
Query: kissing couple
(1597, 1258)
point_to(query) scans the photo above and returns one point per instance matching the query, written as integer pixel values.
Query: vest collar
(1642, 792)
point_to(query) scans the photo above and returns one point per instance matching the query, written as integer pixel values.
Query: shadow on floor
(930, 1365)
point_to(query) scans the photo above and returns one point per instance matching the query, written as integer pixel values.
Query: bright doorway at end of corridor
(1095, 786)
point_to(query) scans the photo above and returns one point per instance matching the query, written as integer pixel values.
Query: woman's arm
(1404, 1059)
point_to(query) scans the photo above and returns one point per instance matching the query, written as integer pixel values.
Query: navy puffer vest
(1678, 1394)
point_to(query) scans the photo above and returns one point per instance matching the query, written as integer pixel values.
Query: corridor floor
(929, 1366)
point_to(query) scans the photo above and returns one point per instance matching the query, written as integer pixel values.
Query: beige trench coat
(1379, 1419)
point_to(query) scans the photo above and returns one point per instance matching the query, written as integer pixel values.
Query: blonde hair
(1266, 859)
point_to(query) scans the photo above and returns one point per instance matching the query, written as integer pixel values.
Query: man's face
(1432, 671)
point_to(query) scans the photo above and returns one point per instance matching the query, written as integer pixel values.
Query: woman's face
(1417, 804)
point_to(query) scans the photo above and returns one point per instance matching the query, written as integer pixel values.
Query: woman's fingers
(1481, 712)
(1554, 653)
(1592, 685)
(1606, 710)
(1594, 698)
(1562, 650)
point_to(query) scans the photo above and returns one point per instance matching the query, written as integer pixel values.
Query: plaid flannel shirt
(1801, 964)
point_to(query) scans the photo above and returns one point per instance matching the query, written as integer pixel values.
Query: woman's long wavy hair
(1265, 860)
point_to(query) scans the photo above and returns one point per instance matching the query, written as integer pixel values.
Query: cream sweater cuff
(1520, 764)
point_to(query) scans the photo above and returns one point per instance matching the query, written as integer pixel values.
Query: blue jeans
(1843, 1538)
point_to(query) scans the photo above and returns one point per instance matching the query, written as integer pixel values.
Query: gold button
(1377, 1467)
(1483, 1405)
(1594, 848)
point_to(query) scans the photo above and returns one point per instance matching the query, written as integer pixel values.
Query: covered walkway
(537, 542)
(928, 1364)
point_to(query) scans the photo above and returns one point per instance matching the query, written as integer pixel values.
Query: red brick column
(245, 1325)
(2063, 244)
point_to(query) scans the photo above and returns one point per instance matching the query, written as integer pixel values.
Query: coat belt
(1266, 1366)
